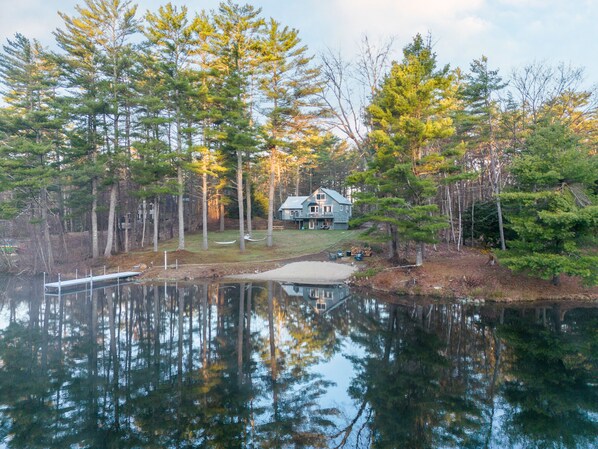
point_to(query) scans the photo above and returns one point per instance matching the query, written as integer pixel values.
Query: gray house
(323, 298)
(323, 209)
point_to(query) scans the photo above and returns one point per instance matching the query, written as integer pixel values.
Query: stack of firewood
(365, 250)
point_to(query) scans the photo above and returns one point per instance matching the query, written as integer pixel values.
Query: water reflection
(271, 365)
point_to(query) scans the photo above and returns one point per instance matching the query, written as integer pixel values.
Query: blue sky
(511, 33)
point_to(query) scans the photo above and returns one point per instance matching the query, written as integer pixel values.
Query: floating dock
(102, 279)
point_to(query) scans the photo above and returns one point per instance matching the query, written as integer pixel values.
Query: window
(341, 208)
(295, 213)
(314, 209)
(320, 196)
(327, 209)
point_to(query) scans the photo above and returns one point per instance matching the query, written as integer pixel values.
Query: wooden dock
(90, 280)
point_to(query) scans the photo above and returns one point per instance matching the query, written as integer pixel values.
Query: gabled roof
(293, 202)
(335, 196)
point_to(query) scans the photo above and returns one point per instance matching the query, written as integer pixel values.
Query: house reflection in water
(323, 298)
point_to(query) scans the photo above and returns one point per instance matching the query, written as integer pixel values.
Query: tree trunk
(144, 221)
(394, 242)
(495, 180)
(126, 248)
(459, 218)
(449, 201)
(181, 208)
(556, 280)
(221, 211)
(248, 200)
(95, 247)
(111, 214)
(46, 230)
(419, 254)
(240, 200)
(269, 240)
(204, 207)
(501, 228)
(180, 179)
(156, 222)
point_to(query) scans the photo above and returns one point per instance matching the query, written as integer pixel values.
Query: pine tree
(551, 208)
(31, 123)
(410, 115)
(176, 39)
(482, 110)
(236, 47)
(289, 85)
(97, 55)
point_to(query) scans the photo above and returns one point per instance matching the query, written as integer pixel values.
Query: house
(323, 209)
(323, 298)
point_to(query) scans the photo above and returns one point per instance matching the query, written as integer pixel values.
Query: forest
(135, 128)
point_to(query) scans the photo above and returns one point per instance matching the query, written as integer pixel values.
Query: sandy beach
(304, 272)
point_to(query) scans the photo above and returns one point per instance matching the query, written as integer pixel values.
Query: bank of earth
(446, 273)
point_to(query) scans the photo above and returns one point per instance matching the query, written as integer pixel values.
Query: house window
(314, 209)
(341, 208)
(327, 209)
(320, 196)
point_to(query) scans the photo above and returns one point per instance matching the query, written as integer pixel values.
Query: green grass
(287, 244)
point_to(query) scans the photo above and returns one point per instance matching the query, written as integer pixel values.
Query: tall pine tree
(411, 114)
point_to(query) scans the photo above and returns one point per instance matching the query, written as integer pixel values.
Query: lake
(270, 365)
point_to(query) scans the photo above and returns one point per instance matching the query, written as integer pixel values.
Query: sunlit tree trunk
(240, 200)
(111, 215)
(271, 187)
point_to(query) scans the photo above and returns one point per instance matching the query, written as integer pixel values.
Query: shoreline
(394, 281)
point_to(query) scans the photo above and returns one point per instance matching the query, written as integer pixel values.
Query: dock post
(59, 285)
(90, 279)
(76, 273)
(165, 261)
(176, 264)
(44, 280)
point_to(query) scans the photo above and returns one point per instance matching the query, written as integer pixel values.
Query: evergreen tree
(31, 123)
(551, 209)
(175, 37)
(289, 86)
(481, 127)
(97, 55)
(236, 46)
(410, 114)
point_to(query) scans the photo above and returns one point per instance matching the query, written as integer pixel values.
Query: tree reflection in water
(256, 365)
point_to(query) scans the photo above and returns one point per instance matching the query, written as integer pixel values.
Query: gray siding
(324, 208)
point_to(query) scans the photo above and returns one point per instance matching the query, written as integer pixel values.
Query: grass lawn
(287, 244)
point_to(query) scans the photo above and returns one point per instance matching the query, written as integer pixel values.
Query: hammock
(249, 239)
(225, 243)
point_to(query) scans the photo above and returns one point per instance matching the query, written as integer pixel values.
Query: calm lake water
(272, 366)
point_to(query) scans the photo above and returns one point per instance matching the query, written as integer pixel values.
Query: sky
(510, 33)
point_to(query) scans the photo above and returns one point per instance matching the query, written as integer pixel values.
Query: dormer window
(320, 197)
